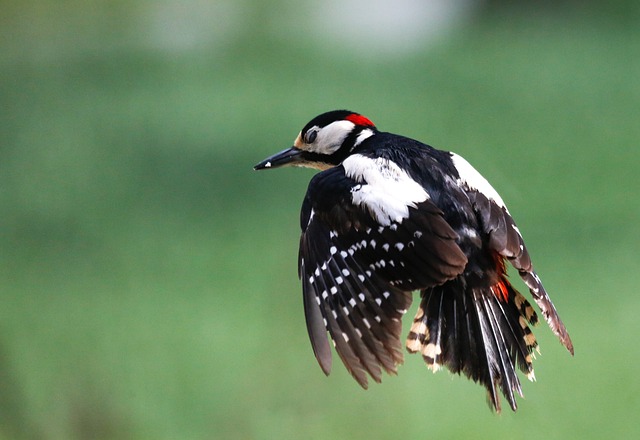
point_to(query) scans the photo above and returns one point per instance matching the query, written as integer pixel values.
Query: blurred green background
(148, 280)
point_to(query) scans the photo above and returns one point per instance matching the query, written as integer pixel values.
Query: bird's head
(324, 142)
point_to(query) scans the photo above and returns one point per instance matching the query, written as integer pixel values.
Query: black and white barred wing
(359, 260)
(361, 312)
(506, 240)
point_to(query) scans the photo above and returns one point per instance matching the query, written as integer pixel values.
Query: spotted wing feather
(360, 311)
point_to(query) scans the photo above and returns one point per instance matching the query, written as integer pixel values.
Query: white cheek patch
(331, 137)
(384, 189)
(472, 179)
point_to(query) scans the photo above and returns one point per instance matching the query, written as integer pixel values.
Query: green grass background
(148, 284)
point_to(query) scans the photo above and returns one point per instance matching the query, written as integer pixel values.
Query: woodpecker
(388, 215)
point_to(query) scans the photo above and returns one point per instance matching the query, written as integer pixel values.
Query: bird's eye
(310, 136)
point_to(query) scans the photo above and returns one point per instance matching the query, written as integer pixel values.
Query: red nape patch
(500, 291)
(360, 120)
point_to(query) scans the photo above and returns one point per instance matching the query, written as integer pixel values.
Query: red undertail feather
(500, 291)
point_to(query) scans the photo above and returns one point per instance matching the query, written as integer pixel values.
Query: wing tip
(325, 362)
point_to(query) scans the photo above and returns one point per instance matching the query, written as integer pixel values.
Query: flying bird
(388, 215)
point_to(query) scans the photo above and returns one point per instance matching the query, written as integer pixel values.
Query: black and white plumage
(388, 215)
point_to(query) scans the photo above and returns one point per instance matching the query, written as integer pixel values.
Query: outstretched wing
(362, 252)
(506, 240)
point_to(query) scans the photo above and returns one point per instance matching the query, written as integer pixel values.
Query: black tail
(481, 332)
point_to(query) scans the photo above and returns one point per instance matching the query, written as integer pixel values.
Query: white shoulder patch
(383, 188)
(472, 179)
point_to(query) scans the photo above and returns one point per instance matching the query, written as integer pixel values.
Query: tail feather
(481, 332)
(501, 344)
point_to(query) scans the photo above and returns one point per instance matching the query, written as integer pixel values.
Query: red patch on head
(360, 120)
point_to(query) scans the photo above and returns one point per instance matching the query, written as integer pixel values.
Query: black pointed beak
(290, 156)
